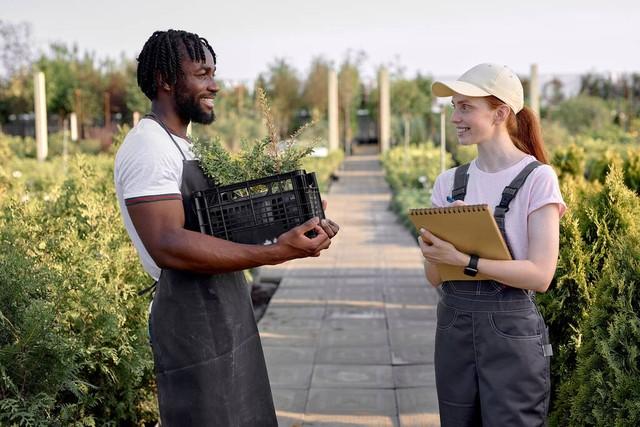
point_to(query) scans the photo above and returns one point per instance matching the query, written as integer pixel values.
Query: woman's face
(473, 118)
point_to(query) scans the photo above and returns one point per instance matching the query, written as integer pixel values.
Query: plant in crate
(259, 192)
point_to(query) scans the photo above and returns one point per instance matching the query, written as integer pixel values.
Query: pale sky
(441, 38)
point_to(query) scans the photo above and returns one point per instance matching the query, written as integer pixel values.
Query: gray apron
(209, 364)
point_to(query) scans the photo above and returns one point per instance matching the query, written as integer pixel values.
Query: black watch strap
(472, 268)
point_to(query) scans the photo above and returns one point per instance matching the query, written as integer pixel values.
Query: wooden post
(107, 109)
(334, 135)
(385, 110)
(40, 103)
(534, 90)
(78, 107)
(443, 137)
(73, 124)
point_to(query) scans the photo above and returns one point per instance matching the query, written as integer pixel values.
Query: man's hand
(329, 227)
(295, 244)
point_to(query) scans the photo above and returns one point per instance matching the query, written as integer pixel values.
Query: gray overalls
(491, 352)
(209, 364)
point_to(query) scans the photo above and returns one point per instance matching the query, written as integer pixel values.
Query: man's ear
(161, 84)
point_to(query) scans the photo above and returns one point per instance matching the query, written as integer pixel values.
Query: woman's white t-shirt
(541, 188)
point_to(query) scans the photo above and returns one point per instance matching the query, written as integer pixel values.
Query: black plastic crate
(260, 210)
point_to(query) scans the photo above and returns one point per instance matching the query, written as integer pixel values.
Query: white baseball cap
(485, 80)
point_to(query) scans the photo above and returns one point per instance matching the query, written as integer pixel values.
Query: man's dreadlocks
(162, 54)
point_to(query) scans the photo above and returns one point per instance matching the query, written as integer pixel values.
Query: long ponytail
(524, 130)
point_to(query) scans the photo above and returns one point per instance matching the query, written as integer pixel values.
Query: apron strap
(148, 290)
(157, 120)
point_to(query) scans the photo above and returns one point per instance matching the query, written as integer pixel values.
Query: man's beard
(189, 109)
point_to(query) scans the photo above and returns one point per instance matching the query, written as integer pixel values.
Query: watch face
(470, 271)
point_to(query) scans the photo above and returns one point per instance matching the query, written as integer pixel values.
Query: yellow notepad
(470, 228)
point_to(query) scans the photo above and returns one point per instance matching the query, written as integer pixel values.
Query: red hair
(524, 130)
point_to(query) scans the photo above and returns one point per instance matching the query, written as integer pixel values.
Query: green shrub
(569, 160)
(597, 167)
(465, 154)
(409, 198)
(256, 159)
(582, 113)
(632, 169)
(554, 134)
(324, 167)
(566, 305)
(413, 167)
(590, 237)
(605, 388)
(74, 348)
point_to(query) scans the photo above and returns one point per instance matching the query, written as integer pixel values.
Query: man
(209, 363)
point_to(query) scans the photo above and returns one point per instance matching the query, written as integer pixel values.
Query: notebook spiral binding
(450, 209)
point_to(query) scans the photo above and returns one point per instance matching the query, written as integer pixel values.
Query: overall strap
(460, 181)
(157, 120)
(508, 194)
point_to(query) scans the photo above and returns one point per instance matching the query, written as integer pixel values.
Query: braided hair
(162, 54)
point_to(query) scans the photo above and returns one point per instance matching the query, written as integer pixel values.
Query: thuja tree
(608, 222)
(257, 159)
(566, 304)
(605, 389)
(73, 346)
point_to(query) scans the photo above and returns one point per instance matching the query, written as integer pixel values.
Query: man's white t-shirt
(148, 168)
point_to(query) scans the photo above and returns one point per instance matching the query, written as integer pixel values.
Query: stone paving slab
(338, 401)
(352, 376)
(414, 376)
(347, 324)
(289, 337)
(411, 336)
(290, 400)
(288, 355)
(319, 420)
(360, 355)
(353, 337)
(292, 323)
(278, 313)
(349, 336)
(363, 311)
(412, 354)
(418, 407)
(290, 375)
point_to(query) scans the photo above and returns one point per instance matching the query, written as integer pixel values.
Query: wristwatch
(472, 268)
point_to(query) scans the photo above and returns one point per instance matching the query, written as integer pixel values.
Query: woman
(492, 353)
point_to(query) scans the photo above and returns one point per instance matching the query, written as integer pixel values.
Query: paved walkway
(348, 336)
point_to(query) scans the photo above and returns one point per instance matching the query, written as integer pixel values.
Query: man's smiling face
(196, 89)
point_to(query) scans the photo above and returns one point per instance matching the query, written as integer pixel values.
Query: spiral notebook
(470, 228)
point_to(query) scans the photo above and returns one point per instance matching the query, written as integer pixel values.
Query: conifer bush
(73, 346)
(605, 388)
(632, 170)
(256, 159)
(569, 160)
(566, 304)
(591, 245)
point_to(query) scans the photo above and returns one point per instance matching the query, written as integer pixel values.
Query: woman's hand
(438, 251)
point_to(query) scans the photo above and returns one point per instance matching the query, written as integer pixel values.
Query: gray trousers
(491, 357)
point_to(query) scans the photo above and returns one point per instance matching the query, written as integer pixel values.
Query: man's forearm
(192, 251)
